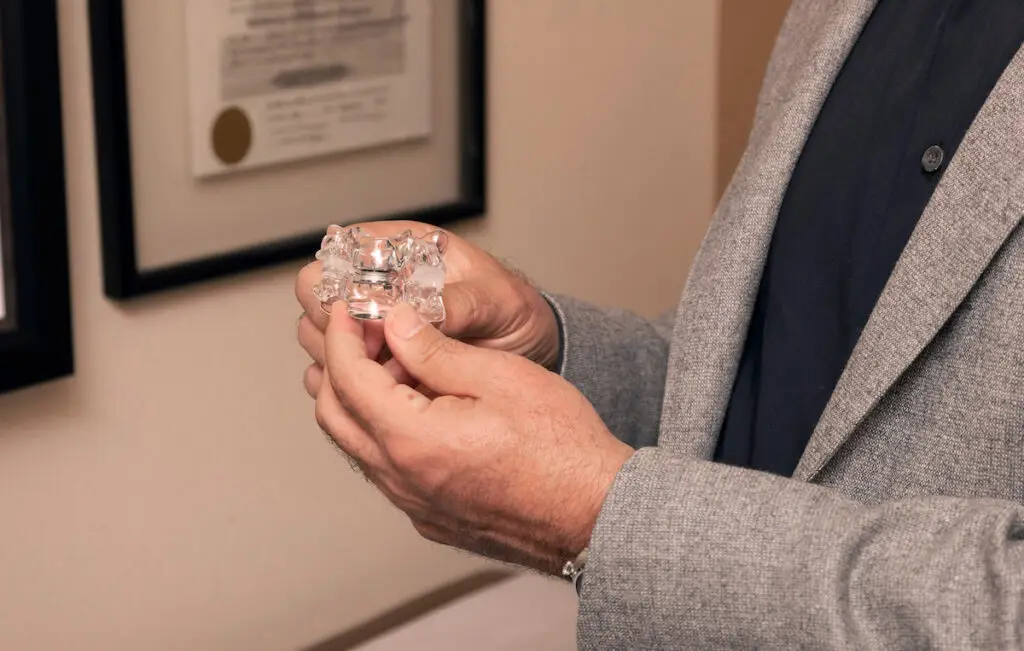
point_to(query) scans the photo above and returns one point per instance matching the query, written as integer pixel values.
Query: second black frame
(123, 279)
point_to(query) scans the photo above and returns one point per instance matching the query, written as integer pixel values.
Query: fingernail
(405, 321)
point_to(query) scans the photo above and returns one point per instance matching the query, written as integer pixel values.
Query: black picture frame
(35, 334)
(123, 278)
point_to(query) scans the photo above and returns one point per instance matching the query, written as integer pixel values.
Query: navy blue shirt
(912, 85)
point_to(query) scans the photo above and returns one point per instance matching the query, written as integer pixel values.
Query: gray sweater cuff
(686, 550)
(617, 359)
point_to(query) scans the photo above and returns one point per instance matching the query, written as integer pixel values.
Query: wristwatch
(573, 570)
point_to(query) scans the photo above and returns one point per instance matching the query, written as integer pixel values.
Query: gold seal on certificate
(231, 136)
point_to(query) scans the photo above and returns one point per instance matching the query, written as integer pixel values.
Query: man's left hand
(484, 450)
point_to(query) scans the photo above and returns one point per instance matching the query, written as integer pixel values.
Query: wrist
(593, 492)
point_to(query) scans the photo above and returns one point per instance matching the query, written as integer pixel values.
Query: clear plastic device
(373, 274)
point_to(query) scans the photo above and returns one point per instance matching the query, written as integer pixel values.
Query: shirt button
(932, 159)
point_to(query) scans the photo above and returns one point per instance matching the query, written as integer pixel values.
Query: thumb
(473, 307)
(441, 364)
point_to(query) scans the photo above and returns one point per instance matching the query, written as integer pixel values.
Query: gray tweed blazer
(902, 527)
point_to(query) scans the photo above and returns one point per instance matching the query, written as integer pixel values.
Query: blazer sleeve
(618, 360)
(689, 554)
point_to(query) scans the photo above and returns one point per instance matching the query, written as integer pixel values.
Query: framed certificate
(231, 133)
(35, 312)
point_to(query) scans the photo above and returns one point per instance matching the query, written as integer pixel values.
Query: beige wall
(176, 493)
(747, 35)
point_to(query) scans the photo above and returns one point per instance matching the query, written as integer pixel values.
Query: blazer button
(932, 159)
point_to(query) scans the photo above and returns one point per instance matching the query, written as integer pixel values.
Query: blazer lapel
(976, 206)
(714, 312)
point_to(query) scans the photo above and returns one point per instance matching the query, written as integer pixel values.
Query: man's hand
(487, 305)
(489, 452)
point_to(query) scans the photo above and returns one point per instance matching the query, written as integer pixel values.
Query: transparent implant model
(372, 274)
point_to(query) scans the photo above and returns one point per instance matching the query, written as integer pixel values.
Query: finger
(311, 339)
(365, 388)
(312, 379)
(373, 336)
(350, 436)
(473, 307)
(398, 372)
(308, 277)
(444, 365)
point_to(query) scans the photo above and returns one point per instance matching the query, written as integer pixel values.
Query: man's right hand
(487, 305)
